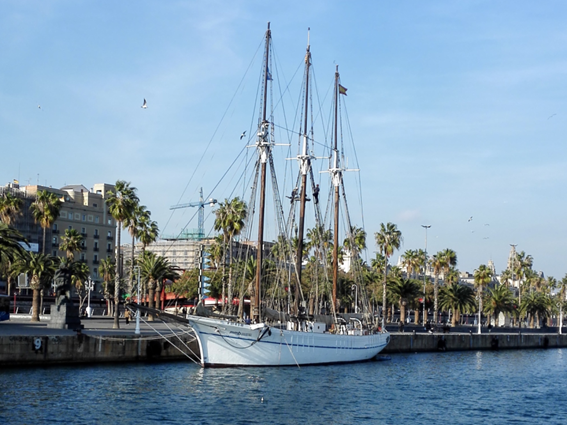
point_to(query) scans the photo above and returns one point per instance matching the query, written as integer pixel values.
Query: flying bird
(470, 219)
(243, 134)
(145, 105)
(551, 116)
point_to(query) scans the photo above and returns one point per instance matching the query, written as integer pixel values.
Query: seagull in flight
(145, 105)
(470, 219)
(243, 134)
(551, 116)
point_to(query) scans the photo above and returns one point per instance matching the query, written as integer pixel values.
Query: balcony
(95, 236)
(109, 238)
(55, 231)
(95, 249)
(109, 249)
(55, 245)
(84, 235)
(95, 261)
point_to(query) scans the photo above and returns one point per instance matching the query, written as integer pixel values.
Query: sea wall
(426, 342)
(75, 349)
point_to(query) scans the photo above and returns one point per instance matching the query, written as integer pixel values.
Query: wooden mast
(263, 145)
(336, 178)
(304, 165)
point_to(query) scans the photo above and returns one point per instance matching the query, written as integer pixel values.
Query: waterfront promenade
(36, 344)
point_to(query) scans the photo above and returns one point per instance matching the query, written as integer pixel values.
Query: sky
(457, 109)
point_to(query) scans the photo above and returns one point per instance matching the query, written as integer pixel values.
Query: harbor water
(490, 387)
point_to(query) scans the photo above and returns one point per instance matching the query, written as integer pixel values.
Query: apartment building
(82, 209)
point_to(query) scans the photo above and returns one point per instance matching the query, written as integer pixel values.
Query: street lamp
(425, 274)
(137, 330)
(355, 289)
(89, 285)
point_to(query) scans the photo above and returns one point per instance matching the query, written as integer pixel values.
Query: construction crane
(201, 204)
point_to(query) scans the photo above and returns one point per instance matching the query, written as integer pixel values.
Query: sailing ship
(272, 338)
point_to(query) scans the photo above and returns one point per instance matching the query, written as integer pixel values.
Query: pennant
(269, 75)
(342, 90)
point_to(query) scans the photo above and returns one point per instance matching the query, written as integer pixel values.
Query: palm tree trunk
(35, 306)
(384, 296)
(151, 296)
(117, 277)
(435, 298)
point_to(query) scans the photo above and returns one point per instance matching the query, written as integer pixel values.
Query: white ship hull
(223, 343)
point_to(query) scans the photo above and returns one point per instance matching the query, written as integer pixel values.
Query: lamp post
(355, 289)
(425, 274)
(137, 330)
(89, 285)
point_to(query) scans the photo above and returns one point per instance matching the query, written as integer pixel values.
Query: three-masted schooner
(303, 341)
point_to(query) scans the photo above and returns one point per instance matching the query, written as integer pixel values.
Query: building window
(84, 217)
(70, 227)
(83, 257)
(90, 218)
(77, 216)
(95, 272)
(95, 205)
(110, 222)
(109, 234)
(55, 227)
(96, 232)
(95, 258)
(63, 214)
(54, 240)
(96, 219)
(54, 253)
(96, 245)
(70, 217)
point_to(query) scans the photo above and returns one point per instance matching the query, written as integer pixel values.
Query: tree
(148, 232)
(522, 264)
(388, 239)
(437, 263)
(45, 210)
(40, 269)
(154, 270)
(133, 223)
(482, 277)
(10, 247)
(458, 298)
(121, 202)
(108, 271)
(499, 300)
(506, 277)
(71, 242)
(409, 261)
(229, 219)
(355, 242)
(10, 207)
(404, 291)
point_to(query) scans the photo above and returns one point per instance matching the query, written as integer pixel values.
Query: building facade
(81, 209)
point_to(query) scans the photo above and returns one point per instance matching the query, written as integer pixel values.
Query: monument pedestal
(65, 316)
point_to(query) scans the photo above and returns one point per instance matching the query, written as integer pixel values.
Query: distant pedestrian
(127, 316)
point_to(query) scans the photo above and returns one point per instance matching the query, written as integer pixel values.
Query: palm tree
(388, 239)
(355, 242)
(108, 271)
(230, 220)
(535, 305)
(449, 258)
(522, 264)
(10, 207)
(506, 277)
(408, 260)
(121, 203)
(457, 298)
(71, 242)
(499, 300)
(154, 269)
(80, 273)
(482, 277)
(148, 232)
(10, 247)
(134, 225)
(404, 291)
(40, 268)
(45, 210)
(437, 263)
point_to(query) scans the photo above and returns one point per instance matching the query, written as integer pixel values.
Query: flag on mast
(342, 90)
